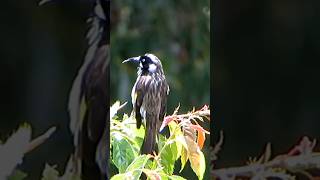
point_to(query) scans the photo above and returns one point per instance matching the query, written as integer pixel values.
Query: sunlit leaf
(124, 176)
(168, 156)
(175, 177)
(123, 154)
(184, 158)
(196, 158)
(201, 139)
(137, 165)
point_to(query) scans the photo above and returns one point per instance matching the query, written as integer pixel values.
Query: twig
(183, 116)
(217, 147)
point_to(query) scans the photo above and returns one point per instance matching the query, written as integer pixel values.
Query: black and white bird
(89, 99)
(149, 98)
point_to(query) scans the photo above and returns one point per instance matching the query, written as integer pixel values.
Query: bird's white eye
(143, 60)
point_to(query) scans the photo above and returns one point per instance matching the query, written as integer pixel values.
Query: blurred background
(41, 50)
(266, 76)
(178, 33)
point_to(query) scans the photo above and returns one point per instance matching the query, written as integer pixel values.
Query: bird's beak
(133, 59)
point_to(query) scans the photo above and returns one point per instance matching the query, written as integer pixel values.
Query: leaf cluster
(185, 141)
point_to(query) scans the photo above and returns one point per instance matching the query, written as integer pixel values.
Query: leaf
(162, 141)
(123, 154)
(168, 156)
(115, 108)
(176, 132)
(152, 174)
(137, 165)
(17, 175)
(168, 119)
(196, 158)
(165, 176)
(139, 133)
(198, 128)
(184, 158)
(165, 122)
(189, 132)
(201, 139)
(120, 177)
(50, 173)
(175, 177)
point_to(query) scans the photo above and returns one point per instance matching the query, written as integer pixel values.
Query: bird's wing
(164, 93)
(139, 90)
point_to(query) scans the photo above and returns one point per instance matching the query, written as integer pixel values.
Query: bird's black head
(147, 63)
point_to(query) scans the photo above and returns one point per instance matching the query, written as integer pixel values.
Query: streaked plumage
(149, 98)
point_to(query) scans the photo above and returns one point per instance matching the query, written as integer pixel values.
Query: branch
(304, 160)
(291, 163)
(215, 150)
(203, 112)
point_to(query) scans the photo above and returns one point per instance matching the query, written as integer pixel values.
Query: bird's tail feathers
(149, 144)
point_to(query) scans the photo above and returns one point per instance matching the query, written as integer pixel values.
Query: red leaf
(166, 121)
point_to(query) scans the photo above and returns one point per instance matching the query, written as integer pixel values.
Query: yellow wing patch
(82, 112)
(134, 97)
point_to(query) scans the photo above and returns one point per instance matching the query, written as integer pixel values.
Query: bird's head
(147, 63)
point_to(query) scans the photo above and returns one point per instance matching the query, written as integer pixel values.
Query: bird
(88, 100)
(149, 98)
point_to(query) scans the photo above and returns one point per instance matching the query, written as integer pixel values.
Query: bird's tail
(150, 140)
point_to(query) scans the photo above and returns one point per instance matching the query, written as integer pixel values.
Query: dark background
(41, 50)
(265, 76)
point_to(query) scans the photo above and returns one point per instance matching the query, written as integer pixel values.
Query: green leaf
(165, 176)
(123, 153)
(137, 165)
(119, 177)
(184, 158)
(50, 173)
(177, 135)
(162, 141)
(168, 156)
(17, 175)
(175, 177)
